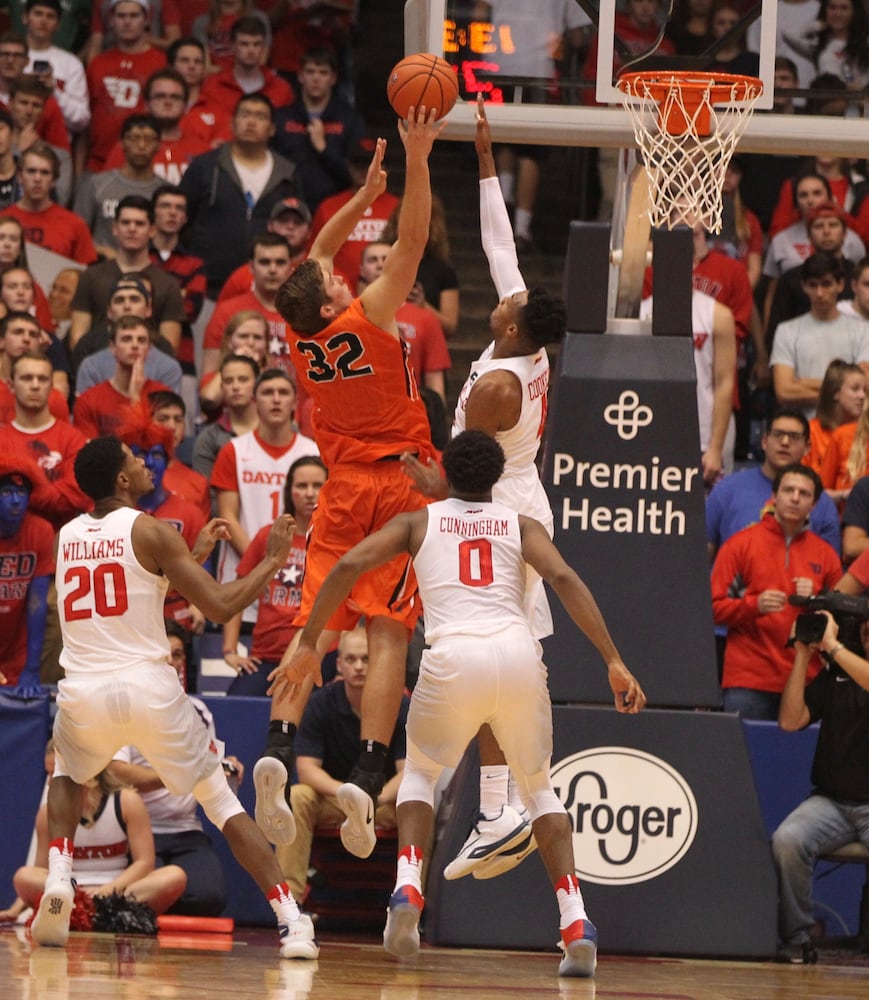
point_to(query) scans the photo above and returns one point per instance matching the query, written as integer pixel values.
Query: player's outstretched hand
(419, 130)
(280, 538)
(629, 696)
(428, 478)
(375, 179)
(217, 530)
(483, 135)
(288, 676)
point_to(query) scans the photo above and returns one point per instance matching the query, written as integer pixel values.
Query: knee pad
(217, 799)
(537, 795)
(418, 780)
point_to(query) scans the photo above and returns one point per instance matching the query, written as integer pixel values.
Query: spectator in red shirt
(214, 29)
(247, 72)
(202, 120)
(20, 334)
(26, 543)
(270, 263)
(51, 443)
(290, 218)
(116, 78)
(46, 223)
(165, 101)
(104, 407)
(13, 58)
(169, 410)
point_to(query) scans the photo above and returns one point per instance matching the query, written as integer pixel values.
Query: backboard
(575, 103)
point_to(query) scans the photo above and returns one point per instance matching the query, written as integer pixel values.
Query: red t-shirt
(279, 330)
(224, 90)
(51, 127)
(54, 449)
(56, 229)
(424, 336)
(116, 81)
(348, 260)
(23, 557)
(207, 122)
(101, 409)
(172, 159)
(279, 602)
(189, 485)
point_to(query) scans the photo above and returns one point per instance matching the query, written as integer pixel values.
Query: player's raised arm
(383, 297)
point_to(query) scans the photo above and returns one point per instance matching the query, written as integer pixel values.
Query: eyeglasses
(779, 435)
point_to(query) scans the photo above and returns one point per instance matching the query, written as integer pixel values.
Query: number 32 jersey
(470, 569)
(110, 606)
(366, 401)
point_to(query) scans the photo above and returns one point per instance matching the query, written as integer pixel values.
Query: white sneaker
(273, 814)
(579, 944)
(507, 860)
(401, 934)
(357, 831)
(51, 924)
(487, 839)
(297, 938)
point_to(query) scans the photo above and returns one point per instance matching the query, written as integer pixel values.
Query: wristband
(834, 652)
(230, 652)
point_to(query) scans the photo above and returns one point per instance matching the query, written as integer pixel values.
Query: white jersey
(519, 487)
(100, 851)
(468, 585)
(260, 477)
(110, 606)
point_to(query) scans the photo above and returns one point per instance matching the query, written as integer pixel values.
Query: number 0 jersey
(471, 559)
(110, 606)
(366, 401)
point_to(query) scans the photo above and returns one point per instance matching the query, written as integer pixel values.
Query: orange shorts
(356, 500)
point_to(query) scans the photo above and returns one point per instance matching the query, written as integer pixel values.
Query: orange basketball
(423, 78)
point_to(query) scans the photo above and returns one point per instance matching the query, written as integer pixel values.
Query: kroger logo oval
(633, 815)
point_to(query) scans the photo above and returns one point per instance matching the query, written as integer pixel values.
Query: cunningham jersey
(471, 559)
(519, 487)
(110, 606)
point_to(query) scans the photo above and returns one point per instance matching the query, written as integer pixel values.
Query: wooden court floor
(246, 965)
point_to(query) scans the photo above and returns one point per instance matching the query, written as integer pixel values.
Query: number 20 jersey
(110, 606)
(470, 569)
(366, 401)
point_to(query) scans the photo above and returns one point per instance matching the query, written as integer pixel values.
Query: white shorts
(465, 681)
(142, 705)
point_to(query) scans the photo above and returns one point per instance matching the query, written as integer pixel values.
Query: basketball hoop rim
(718, 88)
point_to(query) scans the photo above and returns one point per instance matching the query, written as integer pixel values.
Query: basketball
(423, 78)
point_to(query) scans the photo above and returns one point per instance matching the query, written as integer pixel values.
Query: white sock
(522, 223)
(60, 858)
(281, 901)
(508, 187)
(514, 799)
(409, 871)
(493, 789)
(570, 902)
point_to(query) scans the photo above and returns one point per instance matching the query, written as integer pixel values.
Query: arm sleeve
(497, 236)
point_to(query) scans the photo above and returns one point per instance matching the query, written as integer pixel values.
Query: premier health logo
(633, 815)
(628, 415)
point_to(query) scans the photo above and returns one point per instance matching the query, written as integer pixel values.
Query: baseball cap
(361, 150)
(291, 205)
(144, 4)
(131, 281)
(827, 209)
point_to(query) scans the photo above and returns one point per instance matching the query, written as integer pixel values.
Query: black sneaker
(271, 779)
(804, 953)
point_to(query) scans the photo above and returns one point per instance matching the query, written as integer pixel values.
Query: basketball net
(687, 126)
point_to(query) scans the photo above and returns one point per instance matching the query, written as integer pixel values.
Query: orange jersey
(366, 401)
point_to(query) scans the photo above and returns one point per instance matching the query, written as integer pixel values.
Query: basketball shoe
(579, 944)
(357, 798)
(297, 938)
(271, 779)
(509, 859)
(51, 924)
(401, 934)
(487, 839)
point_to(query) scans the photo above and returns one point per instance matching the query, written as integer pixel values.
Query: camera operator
(837, 811)
(755, 572)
